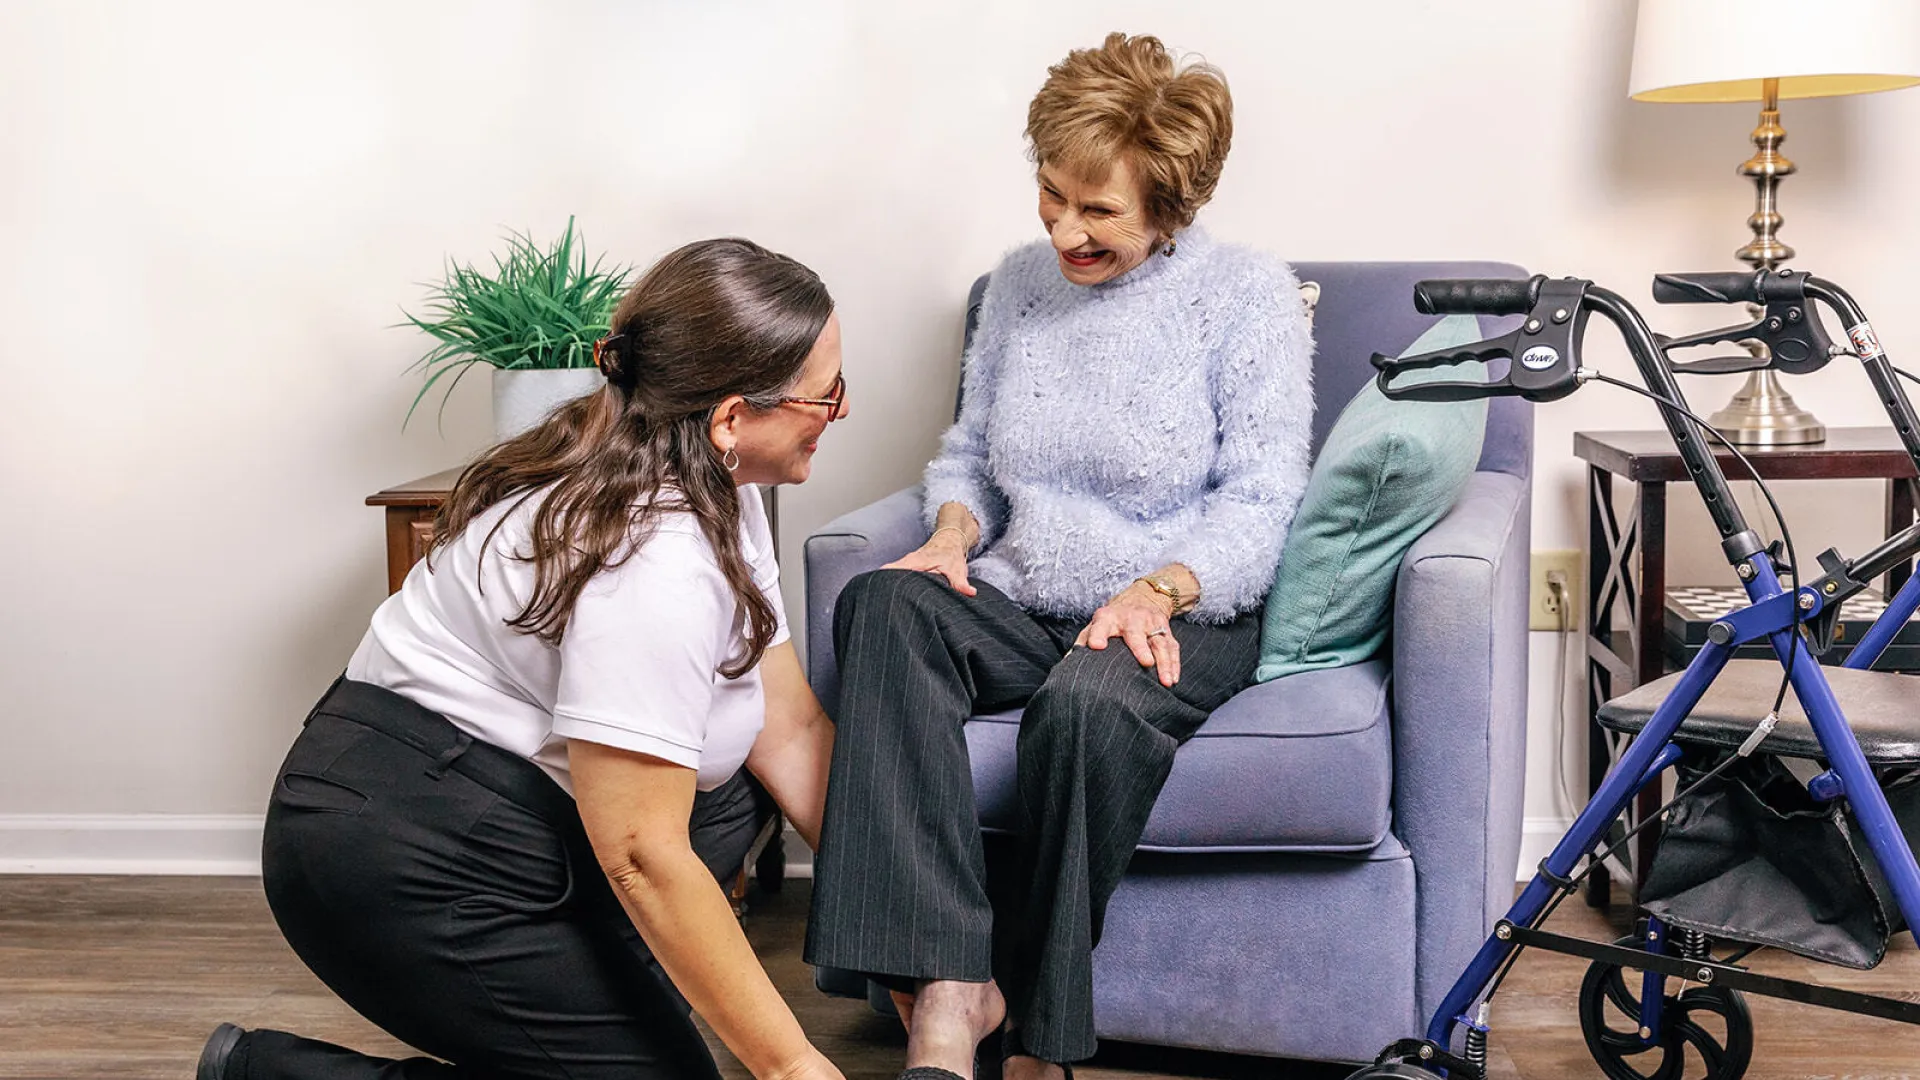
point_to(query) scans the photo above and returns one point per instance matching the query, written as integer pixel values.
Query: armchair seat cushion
(1299, 764)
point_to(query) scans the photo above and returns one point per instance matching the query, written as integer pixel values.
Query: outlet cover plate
(1541, 614)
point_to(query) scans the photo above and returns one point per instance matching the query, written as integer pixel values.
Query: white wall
(212, 211)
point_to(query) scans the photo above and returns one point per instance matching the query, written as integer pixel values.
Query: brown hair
(712, 319)
(1128, 98)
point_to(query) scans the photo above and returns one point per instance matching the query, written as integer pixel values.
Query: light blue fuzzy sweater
(1161, 417)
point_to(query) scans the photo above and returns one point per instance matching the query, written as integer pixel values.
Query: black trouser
(445, 889)
(900, 887)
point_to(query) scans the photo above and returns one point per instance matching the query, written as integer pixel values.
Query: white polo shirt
(638, 665)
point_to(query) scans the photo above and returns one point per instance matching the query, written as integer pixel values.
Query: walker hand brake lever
(1543, 348)
(1790, 333)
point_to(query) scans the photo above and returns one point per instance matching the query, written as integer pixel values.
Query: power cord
(1557, 586)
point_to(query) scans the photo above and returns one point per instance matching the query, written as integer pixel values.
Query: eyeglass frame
(836, 400)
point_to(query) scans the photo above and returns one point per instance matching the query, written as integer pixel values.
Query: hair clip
(599, 354)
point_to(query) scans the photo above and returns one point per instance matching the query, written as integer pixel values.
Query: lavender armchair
(1331, 847)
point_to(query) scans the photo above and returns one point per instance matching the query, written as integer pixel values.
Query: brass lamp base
(1763, 414)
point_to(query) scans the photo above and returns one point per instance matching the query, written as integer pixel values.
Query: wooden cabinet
(411, 508)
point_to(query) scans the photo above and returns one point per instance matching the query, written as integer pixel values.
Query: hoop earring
(730, 459)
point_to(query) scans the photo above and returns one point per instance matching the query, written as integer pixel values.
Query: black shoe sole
(219, 1048)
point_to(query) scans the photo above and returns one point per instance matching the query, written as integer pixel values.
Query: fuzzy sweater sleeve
(1263, 399)
(960, 473)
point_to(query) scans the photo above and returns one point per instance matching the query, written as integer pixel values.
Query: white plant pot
(522, 399)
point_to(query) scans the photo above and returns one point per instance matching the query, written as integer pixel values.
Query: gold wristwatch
(1164, 585)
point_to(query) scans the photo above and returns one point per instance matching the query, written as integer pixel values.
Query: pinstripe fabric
(900, 888)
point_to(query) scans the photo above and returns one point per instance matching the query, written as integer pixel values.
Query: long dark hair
(712, 319)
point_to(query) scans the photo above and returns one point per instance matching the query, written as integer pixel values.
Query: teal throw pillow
(1388, 471)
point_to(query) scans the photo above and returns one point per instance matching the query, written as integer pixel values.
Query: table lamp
(1694, 51)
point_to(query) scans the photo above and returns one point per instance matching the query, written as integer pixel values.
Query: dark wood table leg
(1603, 530)
(1650, 602)
(409, 534)
(1900, 510)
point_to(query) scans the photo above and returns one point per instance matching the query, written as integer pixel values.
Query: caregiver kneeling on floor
(485, 839)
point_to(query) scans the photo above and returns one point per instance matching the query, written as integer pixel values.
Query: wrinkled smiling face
(1099, 230)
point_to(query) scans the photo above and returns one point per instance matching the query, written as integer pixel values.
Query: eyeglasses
(834, 401)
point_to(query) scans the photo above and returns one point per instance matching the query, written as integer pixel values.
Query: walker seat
(1882, 707)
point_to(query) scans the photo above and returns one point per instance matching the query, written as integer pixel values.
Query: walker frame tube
(1637, 767)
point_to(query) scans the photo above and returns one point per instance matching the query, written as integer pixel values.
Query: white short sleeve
(639, 657)
(757, 536)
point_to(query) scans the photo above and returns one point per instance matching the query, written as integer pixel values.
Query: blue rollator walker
(1724, 724)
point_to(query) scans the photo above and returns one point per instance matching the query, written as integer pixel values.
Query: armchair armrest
(1460, 717)
(850, 545)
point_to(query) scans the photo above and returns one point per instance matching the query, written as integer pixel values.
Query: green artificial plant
(538, 309)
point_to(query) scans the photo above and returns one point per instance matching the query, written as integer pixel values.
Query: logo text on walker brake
(1539, 358)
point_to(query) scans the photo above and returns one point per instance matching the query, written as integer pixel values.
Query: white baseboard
(1538, 835)
(227, 844)
(224, 844)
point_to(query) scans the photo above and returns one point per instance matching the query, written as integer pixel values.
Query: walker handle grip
(1717, 287)
(1476, 296)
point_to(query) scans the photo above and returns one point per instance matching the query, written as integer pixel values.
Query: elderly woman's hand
(945, 553)
(1143, 619)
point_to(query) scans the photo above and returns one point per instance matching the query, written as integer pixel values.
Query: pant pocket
(320, 794)
(521, 864)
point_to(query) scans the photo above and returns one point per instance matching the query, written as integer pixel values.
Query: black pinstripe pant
(900, 889)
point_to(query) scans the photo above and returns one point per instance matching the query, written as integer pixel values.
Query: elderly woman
(1132, 447)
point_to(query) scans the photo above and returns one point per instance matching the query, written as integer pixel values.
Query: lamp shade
(1722, 50)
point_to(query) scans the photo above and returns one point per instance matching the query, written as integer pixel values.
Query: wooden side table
(1627, 561)
(411, 508)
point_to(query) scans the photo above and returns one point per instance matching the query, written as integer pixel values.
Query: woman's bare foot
(949, 1018)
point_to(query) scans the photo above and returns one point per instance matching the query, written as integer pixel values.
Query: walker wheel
(1706, 1032)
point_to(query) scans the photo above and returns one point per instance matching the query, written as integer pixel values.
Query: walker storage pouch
(1751, 857)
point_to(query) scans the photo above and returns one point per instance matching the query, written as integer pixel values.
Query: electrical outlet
(1545, 602)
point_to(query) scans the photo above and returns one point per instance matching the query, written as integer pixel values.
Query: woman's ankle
(950, 1018)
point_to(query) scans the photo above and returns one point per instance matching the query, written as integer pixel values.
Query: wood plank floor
(124, 977)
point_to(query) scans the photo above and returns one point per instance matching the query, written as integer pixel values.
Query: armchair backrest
(1367, 307)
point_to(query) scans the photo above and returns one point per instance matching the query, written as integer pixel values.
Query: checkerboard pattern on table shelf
(1692, 608)
(1709, 602)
